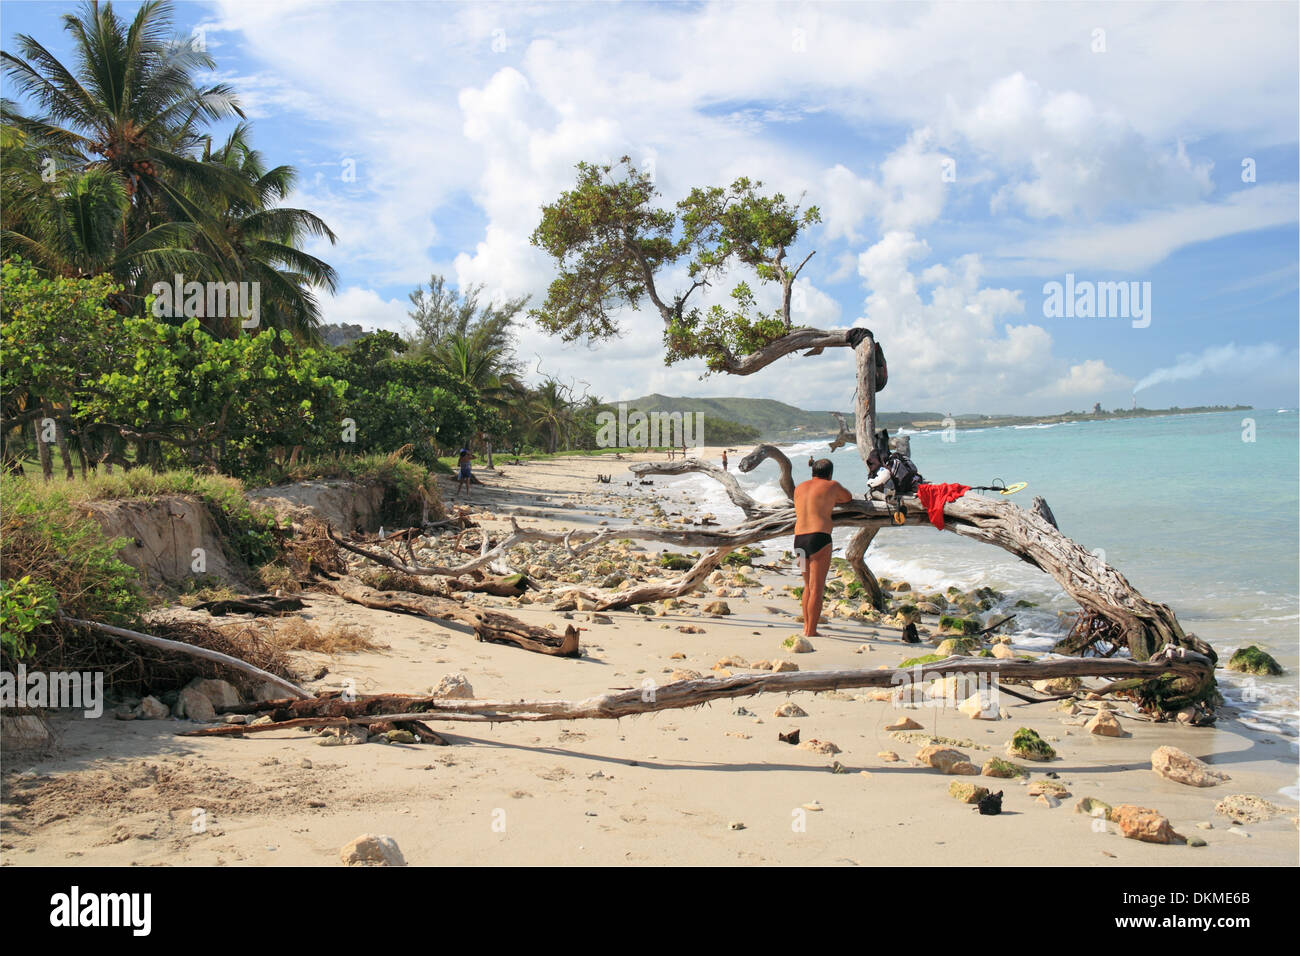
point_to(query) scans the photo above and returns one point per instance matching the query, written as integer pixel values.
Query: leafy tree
(611, 243)
(444, 313)
(113, 171)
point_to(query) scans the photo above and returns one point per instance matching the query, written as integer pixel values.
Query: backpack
(855, 337)
(904, 472)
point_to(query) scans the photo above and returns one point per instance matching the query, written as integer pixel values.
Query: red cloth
(934, 497)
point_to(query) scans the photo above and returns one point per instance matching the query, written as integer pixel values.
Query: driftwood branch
(856, 554)
(487, 625)
(692, 693)
(739, 497)
(183, 648)
(761, 454)
(655, 591)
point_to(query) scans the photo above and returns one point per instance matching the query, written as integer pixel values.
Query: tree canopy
(612, 245)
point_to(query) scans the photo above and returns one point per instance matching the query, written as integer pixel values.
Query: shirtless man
(813, 501)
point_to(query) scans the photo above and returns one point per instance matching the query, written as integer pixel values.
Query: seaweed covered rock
(957, 647)
(1251, 660)
(997, 767)
(1092, 807)
(1027, 744)
(960, 625)
(967, 792)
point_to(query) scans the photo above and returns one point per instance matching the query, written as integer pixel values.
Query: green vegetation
(923, 659)
(743, 557)
(675, 562)
(997, 767)
(25, 605)
(1027, 744)
(63, 557)
(964, 625)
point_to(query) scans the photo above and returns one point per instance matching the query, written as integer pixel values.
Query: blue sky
(1113, 156)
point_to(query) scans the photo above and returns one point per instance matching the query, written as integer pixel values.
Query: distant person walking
(464, 472)
(724, 459)
(814, 500)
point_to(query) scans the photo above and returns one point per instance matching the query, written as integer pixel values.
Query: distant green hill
(777, 421)
(774, 420)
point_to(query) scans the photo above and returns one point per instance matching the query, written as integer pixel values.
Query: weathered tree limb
(655, 591)
(796, 340)
(865, 421)
(487, 625)
(193, 651)
(760, 455)
(855, 554)
(739, 497)
(511, 585)
(260, 604)
(1040, 508)
(692, 693)
(1095, 585)
(845, 436)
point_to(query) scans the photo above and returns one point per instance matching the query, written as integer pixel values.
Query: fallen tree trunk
(190, 649)
(739, 497)
(487, 625)
(692, 693)
(655, 591)
(262, 604)
(511, 585)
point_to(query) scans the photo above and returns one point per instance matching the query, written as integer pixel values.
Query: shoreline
(663, 788)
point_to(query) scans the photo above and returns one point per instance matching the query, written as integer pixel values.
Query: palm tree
(70, 224)
(483, 366)
(550, 411)
(131, 112)
(259, 240)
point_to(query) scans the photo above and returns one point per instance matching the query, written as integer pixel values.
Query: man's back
(813, 501)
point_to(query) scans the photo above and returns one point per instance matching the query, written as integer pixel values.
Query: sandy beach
(712, 785)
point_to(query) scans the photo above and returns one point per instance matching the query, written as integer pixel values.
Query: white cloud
(1066, 156)
(1145, 241)
(365, 307)
(1214, 359)
(957, 350)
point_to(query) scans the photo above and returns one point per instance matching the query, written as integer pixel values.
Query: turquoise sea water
(1191, 514)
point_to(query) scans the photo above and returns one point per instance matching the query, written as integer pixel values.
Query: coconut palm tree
(131, 112)
(69, 224)
(551, 411)
(258, 240)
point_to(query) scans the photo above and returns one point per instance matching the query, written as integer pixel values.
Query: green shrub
(25, 605)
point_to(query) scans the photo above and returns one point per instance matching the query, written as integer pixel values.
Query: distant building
(1096, 408)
